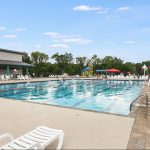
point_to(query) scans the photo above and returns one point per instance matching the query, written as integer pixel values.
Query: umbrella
(113, 70)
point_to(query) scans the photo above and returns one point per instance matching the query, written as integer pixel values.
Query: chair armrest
(6, 135)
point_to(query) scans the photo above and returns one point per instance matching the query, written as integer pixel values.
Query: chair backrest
(2, 77)
(26, 77)
(18, 77)
(7, 77)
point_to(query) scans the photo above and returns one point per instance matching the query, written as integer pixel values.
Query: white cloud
(59, 46)
(129, 42)
(76, 40)
(59, 38)
(2, 28)
(52, 34)
(58, 35)
(99, 10)
(20, 29)
(122, 9)
(85, 8)
(10, 36)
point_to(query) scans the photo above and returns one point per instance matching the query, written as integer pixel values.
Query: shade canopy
(113, 70)
(101, 70)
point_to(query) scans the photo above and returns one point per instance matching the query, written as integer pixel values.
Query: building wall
(3, 71)
(10, 56)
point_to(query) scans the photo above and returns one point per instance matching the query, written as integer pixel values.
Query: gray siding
(10, 56)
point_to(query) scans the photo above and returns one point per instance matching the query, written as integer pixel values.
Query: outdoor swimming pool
(102, 96)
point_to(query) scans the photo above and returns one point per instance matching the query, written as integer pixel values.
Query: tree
(95, 60)
(139, 68)
(112, 62)
(68, 58)
(39, 60)
(72, 69)
(63, 60)
(26, 59)
(130, 67)
(147, 63)
(81, 62)
(64, 63)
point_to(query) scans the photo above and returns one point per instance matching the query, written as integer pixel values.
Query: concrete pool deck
(30, 80)
(83, 129)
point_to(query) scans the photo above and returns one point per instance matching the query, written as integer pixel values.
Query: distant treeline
(66, 63)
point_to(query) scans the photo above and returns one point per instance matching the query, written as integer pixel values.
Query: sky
(118, 28)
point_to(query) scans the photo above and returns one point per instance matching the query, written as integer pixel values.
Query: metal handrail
(133, 103)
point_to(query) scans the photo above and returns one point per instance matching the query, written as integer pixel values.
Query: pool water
(102, 96)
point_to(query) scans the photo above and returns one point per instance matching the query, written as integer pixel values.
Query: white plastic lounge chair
(22, 77)
(7, 77)
(2, 78)
(18, 77)
(38, 138)
(26, 77)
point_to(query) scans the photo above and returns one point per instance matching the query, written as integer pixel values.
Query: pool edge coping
(93, 111)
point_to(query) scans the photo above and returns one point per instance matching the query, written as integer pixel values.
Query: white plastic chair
(26, 77)
(3, 78)
(38, 138)
(22, 77)
(7, 77)
(18, 77)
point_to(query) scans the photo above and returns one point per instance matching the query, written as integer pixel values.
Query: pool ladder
(134, 102)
